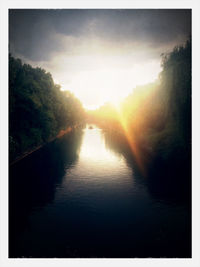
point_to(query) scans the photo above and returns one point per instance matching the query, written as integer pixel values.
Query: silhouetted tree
(38, 109)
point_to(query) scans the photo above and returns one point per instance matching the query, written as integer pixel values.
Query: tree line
(158, 115)
(38, 109)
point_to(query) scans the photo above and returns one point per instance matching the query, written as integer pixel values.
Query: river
(82, 195)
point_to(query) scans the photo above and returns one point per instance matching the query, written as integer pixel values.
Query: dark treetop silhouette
(38, 108)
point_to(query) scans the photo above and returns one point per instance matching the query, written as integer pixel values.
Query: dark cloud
(34, 34)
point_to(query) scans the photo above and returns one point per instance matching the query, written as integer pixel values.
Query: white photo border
(109, 4)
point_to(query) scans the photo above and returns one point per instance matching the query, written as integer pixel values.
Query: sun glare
(107, 82)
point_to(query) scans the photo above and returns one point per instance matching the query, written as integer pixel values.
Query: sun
(108, 81)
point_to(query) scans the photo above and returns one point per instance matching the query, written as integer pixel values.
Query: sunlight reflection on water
(99, 205)
(98, 165)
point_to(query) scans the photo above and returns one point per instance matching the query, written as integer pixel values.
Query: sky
(100, 55)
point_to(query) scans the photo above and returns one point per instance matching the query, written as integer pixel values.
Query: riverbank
(83, 194)
(26, 153)
(166, 166)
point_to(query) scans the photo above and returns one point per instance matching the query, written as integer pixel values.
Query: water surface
(83, 196)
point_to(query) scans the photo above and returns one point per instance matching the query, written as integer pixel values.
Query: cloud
(97, 53)
(35, 34)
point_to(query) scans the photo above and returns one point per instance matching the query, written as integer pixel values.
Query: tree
(38, 109)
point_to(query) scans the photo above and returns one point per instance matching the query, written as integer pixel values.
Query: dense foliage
(158, 115)
(38, 109)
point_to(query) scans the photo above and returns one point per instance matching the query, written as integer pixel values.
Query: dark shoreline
(27, 153)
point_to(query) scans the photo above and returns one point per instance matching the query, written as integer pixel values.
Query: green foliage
(157, 116)
(164, 114)
(38, 110)
(176, 81)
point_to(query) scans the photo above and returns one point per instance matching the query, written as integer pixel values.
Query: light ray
(131, 136)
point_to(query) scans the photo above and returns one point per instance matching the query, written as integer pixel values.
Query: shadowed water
(83, 196)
